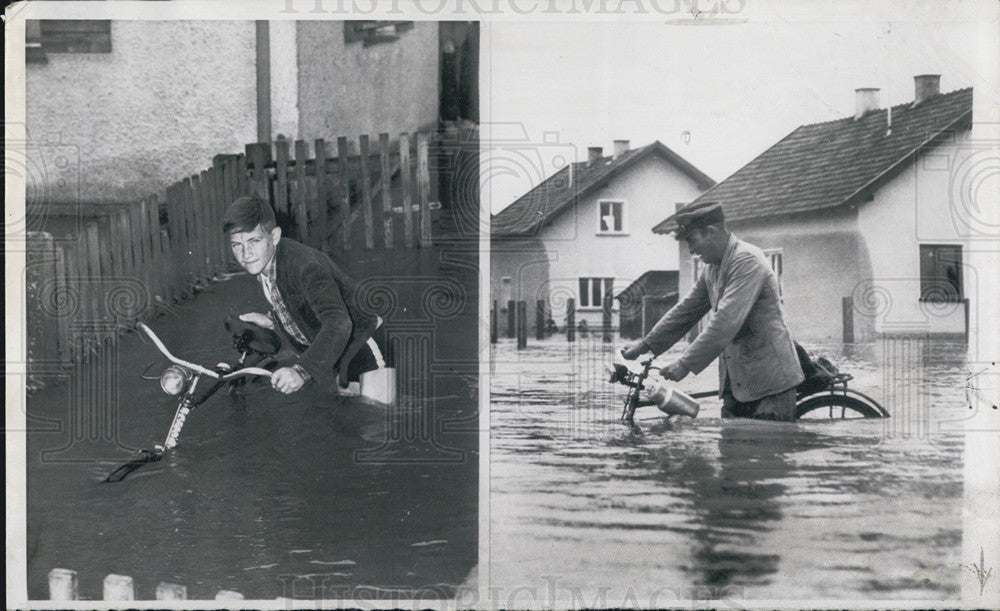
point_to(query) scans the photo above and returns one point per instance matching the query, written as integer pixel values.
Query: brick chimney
(865, 100)
(621, 147)
(594, 153)
(925, 86)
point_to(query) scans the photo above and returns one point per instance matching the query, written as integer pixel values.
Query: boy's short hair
(246, 212)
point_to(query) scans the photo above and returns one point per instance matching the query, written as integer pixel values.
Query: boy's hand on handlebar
(634, 350)
(674, 371)
(286, 380)
(258, 319)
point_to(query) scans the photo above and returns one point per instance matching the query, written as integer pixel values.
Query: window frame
(931, 283)
(772, 255)
(612, 232)
(606, 282)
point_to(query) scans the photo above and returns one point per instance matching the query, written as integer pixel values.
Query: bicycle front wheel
(834, 407)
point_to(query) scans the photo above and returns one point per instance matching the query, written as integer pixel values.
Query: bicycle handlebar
(198, 368)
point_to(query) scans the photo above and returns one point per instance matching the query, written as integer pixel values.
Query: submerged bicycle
(256, 347)
(825, 388)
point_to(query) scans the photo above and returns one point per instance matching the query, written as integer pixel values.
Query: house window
(70, 35)
(940, 272)
(612, 217)
(593, 290)
(374, 32)
(774, 259)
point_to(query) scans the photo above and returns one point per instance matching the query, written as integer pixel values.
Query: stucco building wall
(917, 207)
(351, 89)
(650, 191)
(169, 96)
(519, 271)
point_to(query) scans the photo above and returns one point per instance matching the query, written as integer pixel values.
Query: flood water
(307, 495)
(586, 511)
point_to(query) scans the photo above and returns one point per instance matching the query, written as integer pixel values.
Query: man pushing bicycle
(312, 301)
(758, 365)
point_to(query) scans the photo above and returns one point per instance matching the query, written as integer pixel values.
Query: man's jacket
(321, 300)
(746, 330)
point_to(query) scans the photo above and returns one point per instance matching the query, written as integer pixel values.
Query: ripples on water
(268, 497)
(586, 510)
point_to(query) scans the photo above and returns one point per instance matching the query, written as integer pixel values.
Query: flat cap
(698, 215)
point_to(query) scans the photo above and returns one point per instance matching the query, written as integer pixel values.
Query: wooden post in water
(63, 585)
(118, 587)
(170, 591)
(540, 319)
(522, 324)
(493, 323)
(606, 326)
(511, 317)
(571, 320)
(366, 193)
(847, 308)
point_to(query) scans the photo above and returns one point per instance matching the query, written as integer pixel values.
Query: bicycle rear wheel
(835, 407)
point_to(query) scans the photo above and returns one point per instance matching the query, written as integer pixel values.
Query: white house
(585, 231)
(864, 219)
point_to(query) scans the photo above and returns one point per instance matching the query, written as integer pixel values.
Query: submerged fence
(132, 261)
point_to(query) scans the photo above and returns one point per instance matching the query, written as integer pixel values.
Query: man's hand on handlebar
(674, 371)
(286, 379)
(258, 319)
(634, 350)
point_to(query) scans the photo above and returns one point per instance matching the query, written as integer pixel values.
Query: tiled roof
(824, 165)
(530, 212)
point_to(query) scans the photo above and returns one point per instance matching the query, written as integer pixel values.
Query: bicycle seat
(247, 335)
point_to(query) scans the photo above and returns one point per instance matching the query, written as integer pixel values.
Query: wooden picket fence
(349, 200)
(136, 260)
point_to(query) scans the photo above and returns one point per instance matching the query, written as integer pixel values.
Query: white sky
(736, 88)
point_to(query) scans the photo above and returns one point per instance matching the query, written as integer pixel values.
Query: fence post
(424, 189)
(385, 180)
(198, 231)
(281, 176)
(522, 324)
(301, 205)
(63, 585)
(258, 154)
(366, 193)
(118, 587)
(242, 180)
(493, 323)
(571, 320)
(62, 323)
(607, 317)
(405, 175)
(847, 308)
(511, 317)
(93, 250)
(540, 319)
(322, 232)
(190, 236)
(344, 192)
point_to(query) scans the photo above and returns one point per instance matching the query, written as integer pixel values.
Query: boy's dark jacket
(322, 301)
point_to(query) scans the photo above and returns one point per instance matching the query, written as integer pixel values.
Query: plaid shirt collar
(270, 275)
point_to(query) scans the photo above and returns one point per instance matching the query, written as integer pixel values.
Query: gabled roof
(825, 165)
(555, 194)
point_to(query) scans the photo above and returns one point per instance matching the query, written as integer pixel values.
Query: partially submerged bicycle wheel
(839, 406)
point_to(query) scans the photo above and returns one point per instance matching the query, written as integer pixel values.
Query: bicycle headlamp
(174, 380)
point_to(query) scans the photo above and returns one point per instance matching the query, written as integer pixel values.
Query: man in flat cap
(758, 366)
